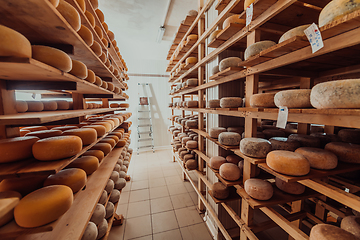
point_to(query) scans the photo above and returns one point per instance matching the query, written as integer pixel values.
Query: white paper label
(314, 35)
(249, 14)
(282, 117)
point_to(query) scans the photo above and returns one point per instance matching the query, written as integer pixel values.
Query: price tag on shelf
(282, 117)
(249, 13)
(314, 35)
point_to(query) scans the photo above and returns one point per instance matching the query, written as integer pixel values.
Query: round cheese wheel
(121, 143)
(98, 81)
(98, 214)
(299, 98)
(64, 128)
(234, 19)
(56, 148)
(21, 106)
(214, 35)
(114, 105)
(104, 84)
(191, 60)
(10, 147)
(35, 128)
(269, 133)
(8, 201)
(192, 104)
(52, 56)
(231, 102)
(289, 163)
(106, 43)
(49, 105)
(191, 123)
(102, 228)
(79, 69)
(290, 187)
(120, 183)
(108, 125)
(350, 135)
(229, 62)
(111, 36)
(100, 15)
(336, 94)
(192, 82)
(319, 158)
(23, 132)
(109, 186)
(96, 153)
(87, 163)
(103, 197)
(99, 32)
(257, 47)
(255, 147)
(109, 141)
(124, 105)
(74, 178)
(258, 189)
(122, 173)
(217, 161)
(233, 159)
(346, 152)
(229, 171)
(90, 232)
(82, 5)
(215, 103)
(215, 131)
(337, 9)
(281, 143)
(263, 100)
(114, 176)
(43, 206)
(90, 76)
(100, 129)
(111, 86)
(325, 138)
(23, 185)
(193, 13)
(229, 138)
(70, 14)
(188, 157)
(90, 18)
(13, 43)
(109, 210)
(115, 196)
(104, 147)
(298, 31)
(192, 144)
(192, 37)
(44, 133)
(95, 4)
(351, 224)
(306, 140)
(329, 232)
(87, 135)
(35, 106)
(105, 26)
(183, 153)
(238, 130)
(191, 164)
(63, 104)
(220, 191)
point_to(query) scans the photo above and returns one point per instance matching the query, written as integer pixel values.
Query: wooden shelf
(227, 72)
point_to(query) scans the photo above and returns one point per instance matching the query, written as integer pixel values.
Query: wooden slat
(227, 72)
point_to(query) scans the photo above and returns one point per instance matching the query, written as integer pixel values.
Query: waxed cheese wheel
(90, 18)
(298, 31)
(35, 106)
(98, 214)
(290, 187)
(258, 189)
(233, 159)
(100, 15)
(213, 35)
(52, 56)
(257, 47)
(351, 224)
(235, 19)
(56, 148)
(115, 196)
(191, 60)
(109, 210)
(90, 76)
(289, 163)
(8, 201)
(100, 129)
(350, 135)
(220, 191)
(217, 161)
(102, 228)
(103, 197)
(298, 98)
(229, 138)
(306, 140)
(229, 171)
(74, 178)
(44, 133)
(263, 100)
(215, 131)
(215, 103)
(50, 105)
(231, 102)
(15, 149)
(120, 183)
(109, 141)
(13, 43)
(336, 94)
(192, 144)
(281, 143)
(87, 135)
(90, 232)
(229, 62)
(70, 14)
(346, 152)
(319, 158)
(337, 9)
(121, 143)
(87, 163)
(23, 185)
(79, 69)
(43, 206)
(104, 147)
(21, 106)
(255, 147)
(329, 232)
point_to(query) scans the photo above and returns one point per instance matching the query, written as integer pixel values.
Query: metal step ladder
(144, 127)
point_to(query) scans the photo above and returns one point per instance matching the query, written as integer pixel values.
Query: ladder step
(144, 139)
(144, 132)
(146, 125)
(146, 146)
(143, 111)
(144, 118)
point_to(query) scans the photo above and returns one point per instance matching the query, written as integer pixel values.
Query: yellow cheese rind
(100, 129)
(100, 15)
(96, 153)
(90, 17)
(298, 31)
(70, 14)
(16, 149)
(74, 178)
(79, 69)
(44, 133)
(299, 98)
(95, 4)
(319, 158)
(21, 106)
(87, 163)
(87, 135)
(289, 163)
(111, 37)
(104, 147)
(234, 19)
(106, 27)
(82, 5)
(35, 106)
(8, 201)
(258, 189)
(86, 35)
(13, 43)
(91, 76)
(337, 9)
(52, 56)
(191, 60)
(99, 32)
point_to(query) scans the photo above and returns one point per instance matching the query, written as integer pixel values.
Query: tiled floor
(157, 204)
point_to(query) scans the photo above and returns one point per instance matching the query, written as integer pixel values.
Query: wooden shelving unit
(287, 65)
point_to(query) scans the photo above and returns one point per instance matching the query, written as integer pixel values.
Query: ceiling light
(160, 34)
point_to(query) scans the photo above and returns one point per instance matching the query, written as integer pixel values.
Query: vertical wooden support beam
(247, 214)
(105, 103)
(329, 129)
(7, 106)
(79, 103)
(305, 83)
(296, 207)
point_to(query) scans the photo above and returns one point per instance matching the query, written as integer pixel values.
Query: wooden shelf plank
(226, 72)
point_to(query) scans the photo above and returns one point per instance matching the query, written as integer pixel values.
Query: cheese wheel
(109, 210)
(350, 135)
(49, 105)
(104, 84)
(44, 133)
(121, 143)
(192, 104)
(64, 128)
(306, 140)
(281, 143)
(100, 129)
(115, 196)
(229, 138)
(193, 13)
(233, 159)
(215, 131)
(98, 81)
(90, 232)
(122, 173)
(87, 135)
(298, 31)
(255, 147)
(183, 153)
(192, 82)
(56, 148)
(98, 214)
(55, 3)
(90, 76)
(52, 56)
(8, 201)
(325, 138)
(100, 15)
(13, 43)
(319, 158)
(111, 86)
(214, 35)
(269, 133)
(82, 5)
(109, 141)
(114, 105)
(258, 189)
(229, 62)
(74, 178)
(102, 229)
(108, 126)
(290, 187)
(23, 185)
(257, 47)
(329, 232)
(10, 147)
(263, 100)
(79, 69)
(191, 164)
(351, 224)
(289, 163)
(192, 37)
(124, 105)
(192, 144)
(230, 172)
(43, 206)
(90, 18)
(217, 161)
(299, 98)
(106, 43)
(346, 152)
(96, 153)
(87, 163)
(24, 132)
(220, 191)
(105, 26)
(191, 60)
(238, 130)
(191, 123)
(95, 4)
(231, 102)
(21, 106)
(337, 9)
(109, 186)
(35, 128)
(35, 106)
(120, 183)
(336, 94)
(111, 36)
(235, 19)
(188, 157)
(104, 147)
(103, 197)
(70, 14)
(99, 32)
(215, 103)
(248, 3)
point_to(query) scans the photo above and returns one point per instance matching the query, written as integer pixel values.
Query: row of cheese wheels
(188, 61)
(59, 142)
(55, 197)
(189, 104)
(191, 82)
(187, 121)
(121, 105)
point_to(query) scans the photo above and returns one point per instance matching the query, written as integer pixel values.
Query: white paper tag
(282, 117)
(249, 13)
(314, 35)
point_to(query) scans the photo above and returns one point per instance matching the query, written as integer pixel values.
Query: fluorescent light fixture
(160, 34)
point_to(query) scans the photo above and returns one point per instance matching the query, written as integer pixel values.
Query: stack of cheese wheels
(213, 35)
(257, 47)
(231, 102)
(13, 44)
(89, 164)
(215, 131)
(319, 158)
(258, 189)
(9, 148)
(298, 31)
(74, 178)
(346, 152)
(70, 14)
(229, 62)
(299, 98)
(230, 171)
(329, 232)
(290, 187)
(8, 201)
(220, 191)
(337, 9)
(265, 100)
(289, 163)
(235, 19)
(255, 147)
(281, 143)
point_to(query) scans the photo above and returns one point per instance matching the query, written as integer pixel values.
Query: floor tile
(127, 188)
(133, 229)
(122, 209)
(170, 180)
(196, 232)
(139, 195)
(189, 187)
(148, 237)
(159, 192)
(194, 196)
(155, 174)
(161, 205)
(124, 197)
(139, 176)
(157, 182)
(164, 221)
(117, 232)
(181, 201)
(142, 184)
(187, 216)
(177, 189)
(173, 235)
(170, 172)
(137, 209)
